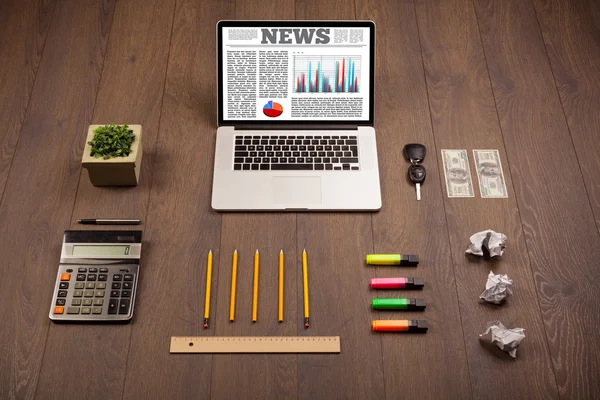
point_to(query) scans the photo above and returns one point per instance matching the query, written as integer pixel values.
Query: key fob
(415, 152)
(417, 173)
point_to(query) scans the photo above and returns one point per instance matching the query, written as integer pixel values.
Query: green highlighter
(393, 259)
(399, 304)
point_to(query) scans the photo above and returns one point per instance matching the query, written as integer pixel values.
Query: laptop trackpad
(296, 189)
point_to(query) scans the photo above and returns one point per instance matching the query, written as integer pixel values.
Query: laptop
(295, 117)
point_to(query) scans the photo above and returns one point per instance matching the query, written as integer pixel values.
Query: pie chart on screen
(272, 109)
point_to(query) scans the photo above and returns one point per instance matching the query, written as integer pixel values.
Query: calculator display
(100, 250)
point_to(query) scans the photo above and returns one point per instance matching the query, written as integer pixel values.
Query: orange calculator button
(65, 277)
(59, 310)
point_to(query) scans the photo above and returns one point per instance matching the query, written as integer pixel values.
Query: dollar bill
(490, 174)
(457, 173)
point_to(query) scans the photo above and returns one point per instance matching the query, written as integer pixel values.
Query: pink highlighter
(397, 283)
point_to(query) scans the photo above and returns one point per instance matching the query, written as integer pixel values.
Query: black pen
(109, 221)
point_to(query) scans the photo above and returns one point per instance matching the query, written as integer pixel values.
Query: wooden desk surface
(520, 76)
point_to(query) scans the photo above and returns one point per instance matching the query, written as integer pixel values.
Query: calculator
(97, 276)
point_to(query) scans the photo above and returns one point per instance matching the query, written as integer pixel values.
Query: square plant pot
(115, 171)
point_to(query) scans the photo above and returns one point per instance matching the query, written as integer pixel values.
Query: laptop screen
(302, 72)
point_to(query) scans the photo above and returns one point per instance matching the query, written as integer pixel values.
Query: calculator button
(79, 285)
(98, 302)
(124, 306)
(100, 285)
(65, 277)
(78, 293)
(86, 310)
(63, 285)
(128, 277)
(92, 277)
(113, 304)
(102, 277)
(127, 285)
(99, 293)
(117, 277)
(116, 285)
(87, 302)
(76, 302)
(114, 293)
(88, 293)
(103, 269)
(61, 302)
(94, 270)
(126, 293)
(69, 270)
(62, 293)
(96, 310)
(72, 310)
(59, 310)
(82, 270)
(81, 277)
(90, 285)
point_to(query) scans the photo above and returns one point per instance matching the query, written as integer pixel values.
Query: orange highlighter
(403, 325)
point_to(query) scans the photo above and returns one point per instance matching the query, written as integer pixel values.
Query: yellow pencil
(305, 279)
(255, 292)
(207, 295)
(280, 315)
(233, 282)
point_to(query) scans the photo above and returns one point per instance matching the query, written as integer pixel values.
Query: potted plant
(113, 154)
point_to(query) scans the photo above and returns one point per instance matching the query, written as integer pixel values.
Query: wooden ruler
(255, 344)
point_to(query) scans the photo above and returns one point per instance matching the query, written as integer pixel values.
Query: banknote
(490, 174)
(457, 173)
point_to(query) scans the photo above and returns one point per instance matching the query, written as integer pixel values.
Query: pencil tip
(281, 251)
(304, 251)
(235, 251)
(256, 251)
(210, 252)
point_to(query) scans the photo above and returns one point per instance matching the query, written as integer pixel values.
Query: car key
(415, 153)
(417, 173)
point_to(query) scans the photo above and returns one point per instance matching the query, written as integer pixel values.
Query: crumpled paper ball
(506, 339)
(497, 288)
(487, 243)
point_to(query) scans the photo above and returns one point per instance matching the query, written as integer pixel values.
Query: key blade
(418, 185)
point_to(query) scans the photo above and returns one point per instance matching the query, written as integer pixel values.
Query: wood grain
(338, 284)
(41, 191)
(180, 228)
(135, 50)
(571, 33)
(464, 116)
(23, 29)
(561, 237)
(260, 375)
(404, 225)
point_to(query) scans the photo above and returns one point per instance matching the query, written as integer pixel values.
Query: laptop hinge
(311, 127)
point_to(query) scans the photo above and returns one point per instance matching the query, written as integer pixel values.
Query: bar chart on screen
(326, 74)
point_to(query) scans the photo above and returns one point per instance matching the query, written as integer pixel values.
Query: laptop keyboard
(308, 153)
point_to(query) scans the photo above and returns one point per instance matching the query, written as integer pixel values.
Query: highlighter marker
(411, 326)
(397, 283)
(393, 259)
(398, 304)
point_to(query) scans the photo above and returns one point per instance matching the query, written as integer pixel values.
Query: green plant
(111, 141)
